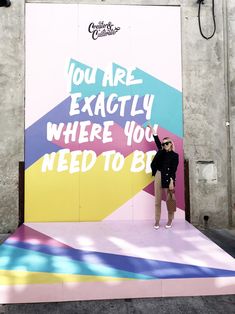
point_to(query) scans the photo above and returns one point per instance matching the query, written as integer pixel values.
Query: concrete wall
(208, 90)
(205, 109)
(11, 110)
(231, 98)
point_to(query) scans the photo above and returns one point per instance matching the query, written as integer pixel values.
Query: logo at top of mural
(102, 29)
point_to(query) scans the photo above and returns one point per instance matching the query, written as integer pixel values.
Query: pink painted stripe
(119, 142)
(66, 291)
(29, 235)
(140, 207)
(185, 244)
(179, 191)
(150, 189)
(198, 286)
(178, 142)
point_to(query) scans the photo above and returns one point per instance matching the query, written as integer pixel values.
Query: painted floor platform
(46, 262)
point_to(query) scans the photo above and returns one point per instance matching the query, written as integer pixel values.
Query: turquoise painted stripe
(167, 106)
(12, 258)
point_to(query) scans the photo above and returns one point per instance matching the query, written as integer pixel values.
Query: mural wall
(96, 75)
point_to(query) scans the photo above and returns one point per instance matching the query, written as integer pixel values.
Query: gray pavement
(202, 305)
(225, 238)
(225, 304)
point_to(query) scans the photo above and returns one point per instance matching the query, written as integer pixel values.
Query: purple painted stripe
(179, 190)
(148, 267)
(119, 143)
(32, 237)
(36, 144)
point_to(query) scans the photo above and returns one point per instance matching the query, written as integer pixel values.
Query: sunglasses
(166, 143)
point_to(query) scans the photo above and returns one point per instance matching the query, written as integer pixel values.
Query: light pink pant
(158, 198)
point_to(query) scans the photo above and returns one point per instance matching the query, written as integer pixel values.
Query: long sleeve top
(166, 162)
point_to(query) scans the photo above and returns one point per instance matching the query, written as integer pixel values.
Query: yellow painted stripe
(50, 196)
(13, 277)
(87, 196)
(104, 192)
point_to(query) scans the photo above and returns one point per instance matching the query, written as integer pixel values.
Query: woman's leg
(171, 205)
(158, 196)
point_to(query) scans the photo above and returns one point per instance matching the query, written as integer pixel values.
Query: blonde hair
(172, 143)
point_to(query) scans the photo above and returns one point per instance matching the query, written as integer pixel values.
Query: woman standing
(164, 167)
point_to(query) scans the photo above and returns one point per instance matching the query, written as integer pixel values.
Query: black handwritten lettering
(102, 29)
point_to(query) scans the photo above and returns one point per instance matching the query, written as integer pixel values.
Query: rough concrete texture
(225, 238)
(192, 305)
(231, 85)
(3, 237)
(205, 105)
(205, 112)
(11, 110)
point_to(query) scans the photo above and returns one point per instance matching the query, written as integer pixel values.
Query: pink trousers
(170, 199)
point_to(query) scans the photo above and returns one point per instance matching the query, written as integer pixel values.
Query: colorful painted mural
(96, 76)
(89, 99)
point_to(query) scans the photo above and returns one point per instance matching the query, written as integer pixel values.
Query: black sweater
(166, 162)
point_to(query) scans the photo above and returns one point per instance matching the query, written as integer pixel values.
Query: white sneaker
(168, 226)
(156, 226)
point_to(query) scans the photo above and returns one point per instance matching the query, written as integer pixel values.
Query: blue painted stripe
(167, 108)
(141, 266)
(36, 144)
(12, 258)
(166, 111)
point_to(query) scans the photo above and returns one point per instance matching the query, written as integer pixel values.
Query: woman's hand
(152, 129)
(171, 185)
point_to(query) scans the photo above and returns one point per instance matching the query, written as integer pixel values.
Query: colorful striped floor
(45, 262)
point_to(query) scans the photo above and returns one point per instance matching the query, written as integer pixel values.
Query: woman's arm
(157, 141)
(171, 185)
(174, 166)
(173, 170)
(156, 138)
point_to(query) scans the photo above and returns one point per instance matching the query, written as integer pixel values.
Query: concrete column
(11, 110)
(205, 133)
(231, 95)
